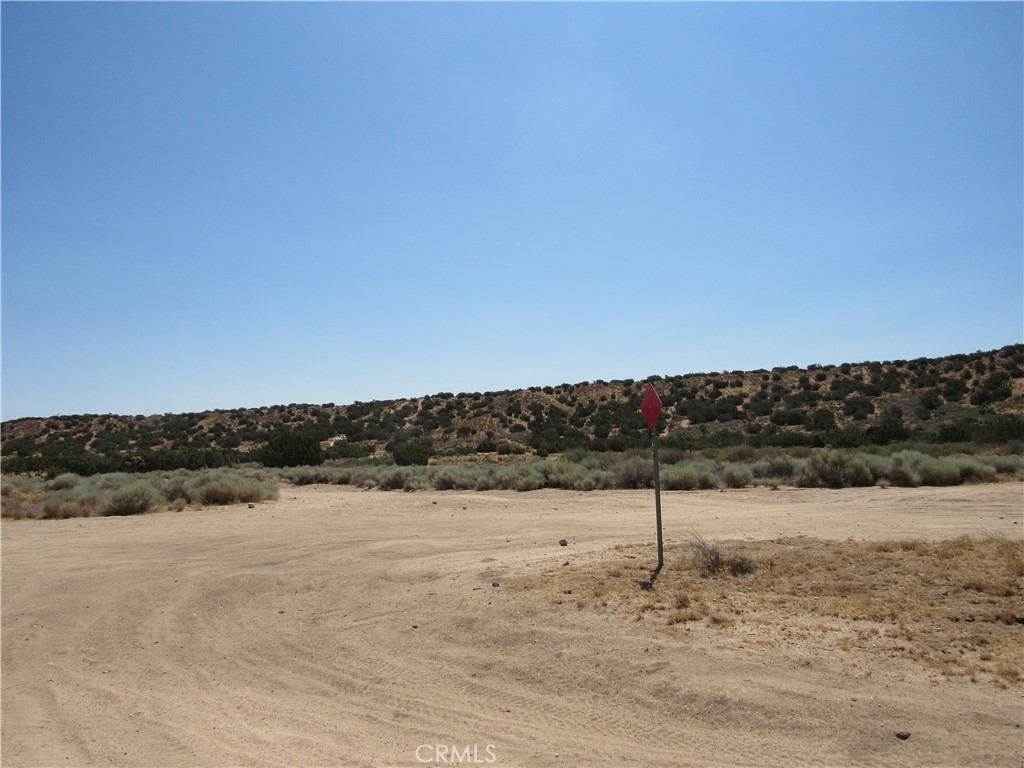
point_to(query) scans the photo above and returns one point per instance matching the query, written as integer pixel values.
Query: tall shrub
(291, 448)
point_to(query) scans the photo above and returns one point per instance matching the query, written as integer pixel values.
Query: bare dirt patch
(347, 628)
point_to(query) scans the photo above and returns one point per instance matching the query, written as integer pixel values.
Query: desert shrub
(62, 509)
(789, 417)
(831, 468)
(63, 482)
(291, 448)
(19, 497)
(973, 471)
(736, 475)
(775, 466)
(110, 481)
(939, 471)
(823, 420)
(394, 479)
(889, 428)
(708, 477)
(135, 498)
(454, 478)
(575, 477)
(903, 470)
(737, 453)
(412, 453)
(525, 478)
(416, 481)
(857, 474)
(678, 478)
(1005, 465)
(321, 475)
(634, 473)
(596, 480)
(930, 399)
(485, 482)
(345, 450)
(1001, 429)
(712, 560)
(602, 460)
(858, 407)
(917, 468)
(221, 487)
(178, 487)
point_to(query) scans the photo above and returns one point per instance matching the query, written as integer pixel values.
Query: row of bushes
(70, 495)
(830, 468)
(119, 493)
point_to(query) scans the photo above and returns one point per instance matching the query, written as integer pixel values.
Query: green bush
(903, 470)
(221, 487)
(775, 467)
(830, 468)
(913, 468)
(678, 478)
(67, 480)
(291, 448)
(634, 473)
(858, 407)
(60, 509)
(135, 498)
(736, 475)
(412, 453)
(1005, 465)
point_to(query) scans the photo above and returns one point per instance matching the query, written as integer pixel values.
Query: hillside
(966, 397)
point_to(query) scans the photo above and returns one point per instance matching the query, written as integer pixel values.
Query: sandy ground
(343, 627)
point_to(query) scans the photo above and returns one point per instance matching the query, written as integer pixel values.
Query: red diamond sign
(650, 407)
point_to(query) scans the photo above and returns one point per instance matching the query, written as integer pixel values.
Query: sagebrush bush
(677, 478)
(529, 478)
(63, 482)
(939, 471)
(135, 498)
(903, 470)
(834, 468)
(394, 479)
(61, 509)
(777, 466)
(1005, 465)
(634, 473)
(218, 486)
(736, 475)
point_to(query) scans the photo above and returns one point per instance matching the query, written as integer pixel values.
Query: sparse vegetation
(953, 606)
(130, 494)
(69, 495)
(975, 401)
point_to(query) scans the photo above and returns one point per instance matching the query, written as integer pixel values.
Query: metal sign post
(651, 408)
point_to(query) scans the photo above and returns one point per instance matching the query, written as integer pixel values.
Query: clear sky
(231, 205)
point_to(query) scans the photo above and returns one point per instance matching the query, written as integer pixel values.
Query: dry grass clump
(953, 606)
(712, 560)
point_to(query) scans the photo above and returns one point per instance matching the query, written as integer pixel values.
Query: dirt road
(349, 628)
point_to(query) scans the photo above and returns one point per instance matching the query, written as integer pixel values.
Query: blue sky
(231, 205)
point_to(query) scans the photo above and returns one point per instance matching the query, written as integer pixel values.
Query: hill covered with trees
(964, 398)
